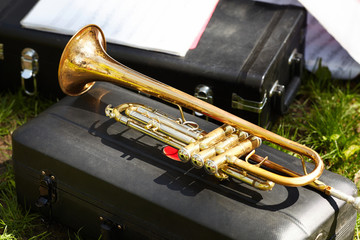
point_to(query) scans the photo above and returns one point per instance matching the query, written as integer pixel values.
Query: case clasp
(110, 230)
(30, 67)
(238, 102)
(1, 51)
(47, 190)
(204, 93)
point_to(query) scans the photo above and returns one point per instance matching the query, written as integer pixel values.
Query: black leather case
(248, 60)
(77, 167)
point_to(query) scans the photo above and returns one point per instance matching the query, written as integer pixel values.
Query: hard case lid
(119, 172)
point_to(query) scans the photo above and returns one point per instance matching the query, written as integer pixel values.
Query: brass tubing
(277, 167)
(116, 114)
(287, 181)
(317, 184)
(84, 61)
(264, 185)
(159, 126)
(183, 128)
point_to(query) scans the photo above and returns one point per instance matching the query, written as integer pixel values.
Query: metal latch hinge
(282, 96)
(295, 57)
(204, 93)
(238, 102)
(47, 190)
(257, 106)
(109, 229)
(276, 89)
(1, 51)
(30, 67)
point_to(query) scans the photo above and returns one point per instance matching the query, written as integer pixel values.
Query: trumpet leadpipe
(354, 201)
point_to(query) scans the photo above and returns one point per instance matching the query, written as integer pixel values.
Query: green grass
(15, 110)
(16, 222)
(357, 228)
(324, 116)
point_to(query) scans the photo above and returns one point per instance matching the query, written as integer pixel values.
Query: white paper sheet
(159, 25)
(341, 19)
(321, 39)
(321, 45)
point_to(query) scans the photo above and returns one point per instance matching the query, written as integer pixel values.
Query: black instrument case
(248, 61)
(80, 168)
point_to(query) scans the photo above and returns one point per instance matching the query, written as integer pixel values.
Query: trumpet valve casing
(206, 142)
(198, 159)
(213, 165)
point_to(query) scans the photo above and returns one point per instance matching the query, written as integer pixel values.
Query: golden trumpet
(223, 152)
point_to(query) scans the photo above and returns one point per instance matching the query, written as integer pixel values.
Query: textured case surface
(109, 176)
(244, 50)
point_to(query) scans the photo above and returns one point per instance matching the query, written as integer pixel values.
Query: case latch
(277, 89)
(238, 102)
(284, 97)
(47, 190)
(30, 67)
(204, 93)
(1, 51)
(110, 230)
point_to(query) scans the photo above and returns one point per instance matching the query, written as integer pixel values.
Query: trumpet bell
(77, 58)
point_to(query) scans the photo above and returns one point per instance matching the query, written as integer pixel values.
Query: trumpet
(227, 151)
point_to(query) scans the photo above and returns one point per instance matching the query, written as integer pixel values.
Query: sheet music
(159, 25)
